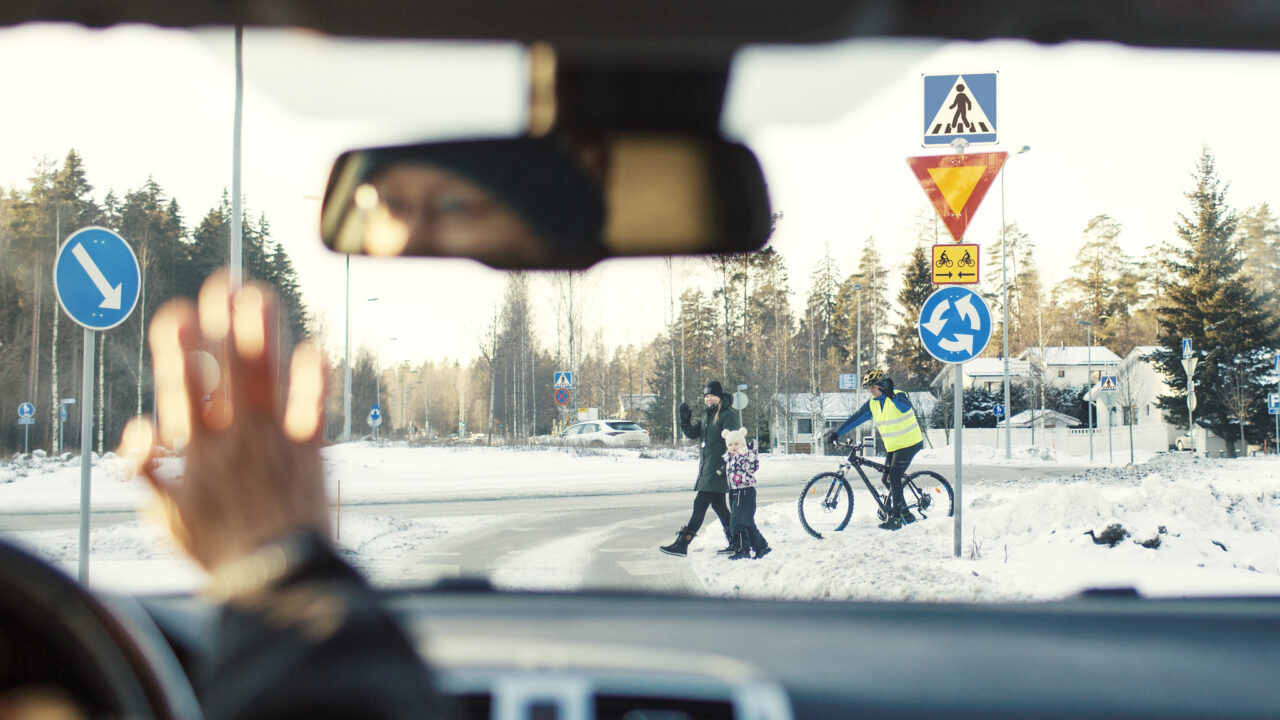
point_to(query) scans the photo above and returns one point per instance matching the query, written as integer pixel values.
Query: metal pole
(237, 271)
(857, 363)
(346, 379)
(1088, 335)
(1111, 455)
(956, 441)
(86, 454)
(1004, 275)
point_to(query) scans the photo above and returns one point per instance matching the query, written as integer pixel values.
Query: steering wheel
(105, 655)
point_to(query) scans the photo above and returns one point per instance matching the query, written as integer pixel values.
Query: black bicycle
(826, 503)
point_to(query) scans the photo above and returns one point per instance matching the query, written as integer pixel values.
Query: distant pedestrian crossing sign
(960, 107)
(563, 379)
(1108, 383)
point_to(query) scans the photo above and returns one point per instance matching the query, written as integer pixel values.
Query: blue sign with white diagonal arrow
(96, 278)
(955, 324)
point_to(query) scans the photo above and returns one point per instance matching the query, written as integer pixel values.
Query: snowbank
(1213, 527)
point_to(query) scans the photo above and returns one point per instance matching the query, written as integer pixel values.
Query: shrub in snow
(39, 454)
(1111, 537)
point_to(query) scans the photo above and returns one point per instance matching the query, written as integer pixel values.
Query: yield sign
(956, 184)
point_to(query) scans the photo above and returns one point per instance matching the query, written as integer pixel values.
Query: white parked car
(600, 433)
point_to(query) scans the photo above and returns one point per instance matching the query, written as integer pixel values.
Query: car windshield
(1112, 207)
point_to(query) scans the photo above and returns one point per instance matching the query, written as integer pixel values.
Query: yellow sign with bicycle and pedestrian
(955, 264)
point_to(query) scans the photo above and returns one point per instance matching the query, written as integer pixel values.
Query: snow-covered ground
(1217, 523)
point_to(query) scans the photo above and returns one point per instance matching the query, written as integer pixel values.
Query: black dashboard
(533, 655)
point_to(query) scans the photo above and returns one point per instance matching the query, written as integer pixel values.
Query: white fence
(1068, 442)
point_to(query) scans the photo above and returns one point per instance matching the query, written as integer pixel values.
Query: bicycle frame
(857, 462)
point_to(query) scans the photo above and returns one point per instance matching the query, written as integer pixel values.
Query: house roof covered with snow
(1074, 355)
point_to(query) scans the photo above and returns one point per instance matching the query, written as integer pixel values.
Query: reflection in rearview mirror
(548, 203)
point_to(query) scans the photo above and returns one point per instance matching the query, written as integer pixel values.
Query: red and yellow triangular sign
(956, 184)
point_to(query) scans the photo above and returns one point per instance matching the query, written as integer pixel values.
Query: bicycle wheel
(928, 492)
(826, 503)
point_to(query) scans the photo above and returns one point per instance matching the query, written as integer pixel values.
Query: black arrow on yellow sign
(945, 274)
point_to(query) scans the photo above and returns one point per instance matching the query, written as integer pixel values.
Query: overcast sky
(1112, 130)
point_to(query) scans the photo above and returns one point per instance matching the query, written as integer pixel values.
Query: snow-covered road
(1025, 525)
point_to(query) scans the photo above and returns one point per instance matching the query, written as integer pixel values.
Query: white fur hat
(735, 437)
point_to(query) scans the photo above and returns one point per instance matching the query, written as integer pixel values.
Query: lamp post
(346, 373)
(1004, 274)
(1088, 341)
(857, 362)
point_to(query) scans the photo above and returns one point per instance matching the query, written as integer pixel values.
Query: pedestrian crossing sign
(960, 107)
(563, 379)
(1108, 383)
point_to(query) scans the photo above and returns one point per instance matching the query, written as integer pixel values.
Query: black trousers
(898, 461)
(742, 519)
(713, 500)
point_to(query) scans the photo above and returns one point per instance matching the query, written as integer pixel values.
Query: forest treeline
(743, 319)
(41, 349)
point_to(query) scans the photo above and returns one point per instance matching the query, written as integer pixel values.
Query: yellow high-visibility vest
(897, 429)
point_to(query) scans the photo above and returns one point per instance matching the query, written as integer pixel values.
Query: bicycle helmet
(874, 376)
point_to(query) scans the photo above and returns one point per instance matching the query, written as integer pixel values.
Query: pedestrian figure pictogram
(961, 105)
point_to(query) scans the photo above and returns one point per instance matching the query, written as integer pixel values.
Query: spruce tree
(1210, 301)
(912, 367)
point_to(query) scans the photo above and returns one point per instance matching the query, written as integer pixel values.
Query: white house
(1042, 419)
(984, 373)
(1070, 365)
(634, 406)
(803, 418)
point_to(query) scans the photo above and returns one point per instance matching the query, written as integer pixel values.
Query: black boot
(681, 545)
(758, 543)
(733, 544)
(744, 547)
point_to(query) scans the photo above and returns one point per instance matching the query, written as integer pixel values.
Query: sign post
(1189, 363)
(955, 326)
(1108, 385)
(26, 418)
(998, 411)
(97, 280)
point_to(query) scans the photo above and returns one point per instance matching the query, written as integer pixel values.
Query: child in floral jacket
(741, 464)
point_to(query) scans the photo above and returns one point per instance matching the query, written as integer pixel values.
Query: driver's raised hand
(252, 471)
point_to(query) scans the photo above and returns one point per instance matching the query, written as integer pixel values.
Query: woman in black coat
(712, 486)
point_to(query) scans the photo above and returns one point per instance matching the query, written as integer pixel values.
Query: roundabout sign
(955, 324)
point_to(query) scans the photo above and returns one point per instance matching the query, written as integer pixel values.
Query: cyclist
(895, 420)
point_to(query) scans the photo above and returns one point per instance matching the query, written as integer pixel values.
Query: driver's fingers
(172, 335)
(137, 444)
(304, 411)
(251, 354)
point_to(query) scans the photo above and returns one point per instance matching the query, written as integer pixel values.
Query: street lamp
(857, 363)
(1004, 274)
(346, 373)
(1088, 341)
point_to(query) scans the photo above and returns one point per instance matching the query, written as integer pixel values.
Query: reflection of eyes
(445, 205)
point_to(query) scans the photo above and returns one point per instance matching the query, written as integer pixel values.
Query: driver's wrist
(270, 565)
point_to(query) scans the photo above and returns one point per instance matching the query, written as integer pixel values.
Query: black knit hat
(713, 388)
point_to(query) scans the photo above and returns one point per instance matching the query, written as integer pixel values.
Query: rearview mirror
(556, 202)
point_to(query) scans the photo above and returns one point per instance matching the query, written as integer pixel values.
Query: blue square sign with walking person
(960, 107)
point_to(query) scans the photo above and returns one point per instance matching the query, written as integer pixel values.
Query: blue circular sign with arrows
(96, 278)
(955, 324)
